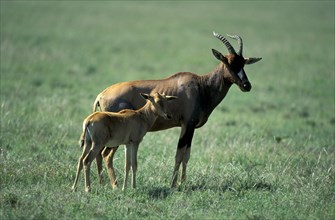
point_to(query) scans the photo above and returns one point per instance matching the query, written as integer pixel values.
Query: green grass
(267, 154)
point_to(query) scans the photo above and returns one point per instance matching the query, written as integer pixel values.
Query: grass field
(267, 154)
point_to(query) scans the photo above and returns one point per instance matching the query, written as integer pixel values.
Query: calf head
(159, 103)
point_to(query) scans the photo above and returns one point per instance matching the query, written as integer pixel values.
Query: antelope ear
(145, 96)
(251, 60)
(168, 97)
(219, 56)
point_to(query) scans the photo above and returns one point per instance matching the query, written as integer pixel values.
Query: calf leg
(92, 154)
(80, 163)
(128, 150)
(99, 166)
(134, 164)
(79, 168)
(108, 155)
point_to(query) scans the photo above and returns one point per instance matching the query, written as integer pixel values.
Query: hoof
(114, 185)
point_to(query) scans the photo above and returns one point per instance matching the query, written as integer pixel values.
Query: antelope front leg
(185, 161)
(178, 160)
(183, 152)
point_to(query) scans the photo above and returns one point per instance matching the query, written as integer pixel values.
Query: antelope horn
(239, 41)
(225, 42)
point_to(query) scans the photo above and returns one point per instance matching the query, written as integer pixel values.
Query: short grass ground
(267, 154)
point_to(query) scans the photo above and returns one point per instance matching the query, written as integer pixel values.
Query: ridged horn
(225, 42)
(239, 41)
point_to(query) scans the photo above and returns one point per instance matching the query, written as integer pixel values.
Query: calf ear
(251, 60)
(145, 96)
(219, 56)
(168, 97)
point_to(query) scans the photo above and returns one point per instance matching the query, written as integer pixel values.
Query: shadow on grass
(250, 179)
(234, 187)
(238, 188)
(160, 192)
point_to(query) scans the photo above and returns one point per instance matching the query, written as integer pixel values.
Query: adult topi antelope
(112, 129)
(197, 98)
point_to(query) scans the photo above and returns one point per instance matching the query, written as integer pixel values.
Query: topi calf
(126, 127)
